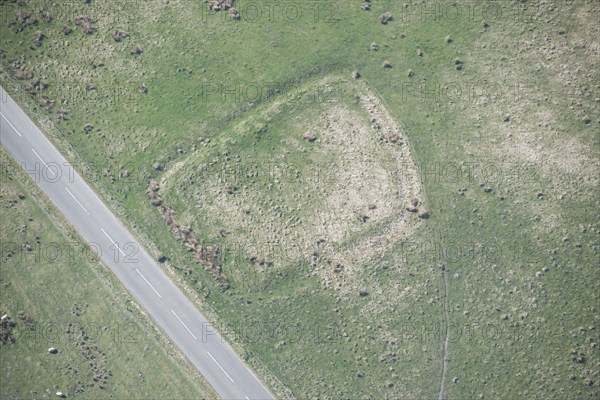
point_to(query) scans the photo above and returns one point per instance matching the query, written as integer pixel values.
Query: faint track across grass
(442, 394)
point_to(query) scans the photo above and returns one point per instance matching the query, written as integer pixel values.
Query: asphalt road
(120, 251)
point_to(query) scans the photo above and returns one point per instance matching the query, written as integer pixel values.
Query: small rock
(387, 64)
(310, 135)
(363, 293)
(448, 39)
(87, 128)
(385, 18)
(52, 350)
(355, 75)
(410, 73)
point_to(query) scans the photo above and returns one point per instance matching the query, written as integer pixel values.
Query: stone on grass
(385, 18)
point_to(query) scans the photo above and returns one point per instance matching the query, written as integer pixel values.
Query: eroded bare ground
(355, 191)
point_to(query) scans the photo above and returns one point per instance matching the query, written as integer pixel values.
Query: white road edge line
(43, 162)
(113, 242)
(149, 284)
(75, 198)
(11, 125)
(182, 323)
(219, 365)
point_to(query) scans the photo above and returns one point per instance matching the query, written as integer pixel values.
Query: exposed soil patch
(336, 209)
(207, 256)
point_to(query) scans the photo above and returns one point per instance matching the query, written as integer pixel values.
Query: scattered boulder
(61, 395)
(310, 135)
(424, 215)
(419, 53)
(234, 14)
(6, 330)
(154, 186)
(387, 64)
(363, 293)
(38, 36)
(45, 102)
(365, 7)
(23, 17)
(394, 138)
(337, 267)
(143, 88)
(45, 16)
(86, 23)
(87, 128)
(137, 50)
(385, 18)
(53, 350)
(448, 39)
(374, 46)
(37, 86)
(458, 64)
(66, 30)
(485, 24)
(410, 73)
(118, 35)
(355, 75)
(413, 205)
(220, 5)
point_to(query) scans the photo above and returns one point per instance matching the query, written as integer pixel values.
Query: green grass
(531, 352)
(59, 295)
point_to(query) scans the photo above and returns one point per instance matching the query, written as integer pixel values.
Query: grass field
(58, 295)
(499, 113)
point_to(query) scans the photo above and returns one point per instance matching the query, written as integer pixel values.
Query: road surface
(119, 250)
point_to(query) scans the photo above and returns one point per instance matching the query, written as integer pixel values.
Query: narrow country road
(119, 250)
